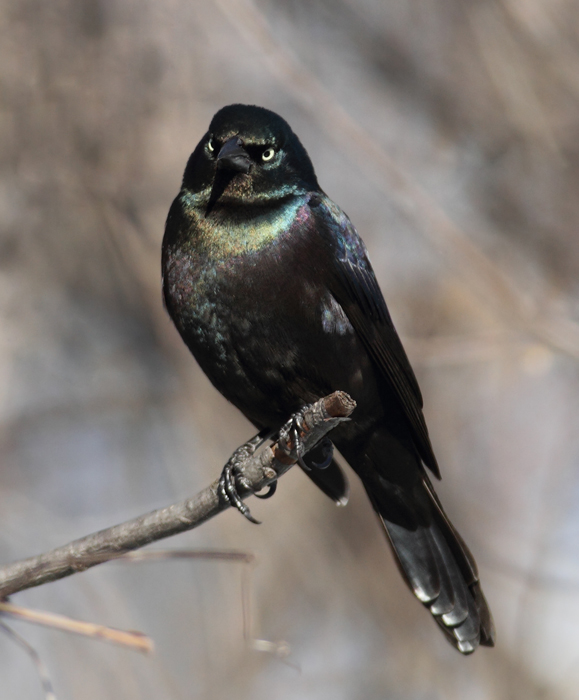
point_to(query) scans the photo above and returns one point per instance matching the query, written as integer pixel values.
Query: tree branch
(259, 471)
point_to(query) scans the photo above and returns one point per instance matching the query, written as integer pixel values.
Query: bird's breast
(264, 326)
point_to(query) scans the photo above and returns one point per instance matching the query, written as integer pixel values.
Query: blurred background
(449, 132)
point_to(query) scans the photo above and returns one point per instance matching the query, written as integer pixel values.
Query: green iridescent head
(249, 156)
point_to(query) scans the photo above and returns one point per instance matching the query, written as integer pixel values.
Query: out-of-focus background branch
(448, 131)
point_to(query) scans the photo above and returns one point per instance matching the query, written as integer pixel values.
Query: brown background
(448, 131)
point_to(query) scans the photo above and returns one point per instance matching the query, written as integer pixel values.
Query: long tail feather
(441, 572)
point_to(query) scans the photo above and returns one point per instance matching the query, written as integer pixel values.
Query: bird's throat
(231, 229)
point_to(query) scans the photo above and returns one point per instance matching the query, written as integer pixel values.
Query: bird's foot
(232, 478)
(290, 438)
(293, 429)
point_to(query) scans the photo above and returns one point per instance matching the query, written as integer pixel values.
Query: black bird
(271, 288)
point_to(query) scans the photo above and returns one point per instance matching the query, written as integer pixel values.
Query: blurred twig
(259, 471)
(41, 669)
(508, 70)
(279, 649)
(476, 269)
(134, 640)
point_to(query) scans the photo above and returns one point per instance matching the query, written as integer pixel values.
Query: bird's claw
(290, 433)
(271, 489)
(232, 478)
(293, 429)
(326, 446)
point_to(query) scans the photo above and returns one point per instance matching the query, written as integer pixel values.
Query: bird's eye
(268, 154)
(210, 146)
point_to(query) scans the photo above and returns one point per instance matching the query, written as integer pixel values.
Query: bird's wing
(354, 286)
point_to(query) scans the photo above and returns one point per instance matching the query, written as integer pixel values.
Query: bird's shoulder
(336, 232)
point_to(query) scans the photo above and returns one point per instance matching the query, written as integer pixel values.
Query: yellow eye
(210, 146)
(268, 154)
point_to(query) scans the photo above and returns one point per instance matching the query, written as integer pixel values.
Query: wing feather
(354, 286)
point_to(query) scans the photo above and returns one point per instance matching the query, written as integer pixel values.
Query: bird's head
(249, 156)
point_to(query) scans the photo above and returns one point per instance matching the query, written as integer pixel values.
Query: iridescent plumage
(271, 288)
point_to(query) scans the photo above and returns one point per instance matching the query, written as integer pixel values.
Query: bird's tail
(440, 570)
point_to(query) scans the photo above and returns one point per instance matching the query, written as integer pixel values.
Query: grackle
(271, 288)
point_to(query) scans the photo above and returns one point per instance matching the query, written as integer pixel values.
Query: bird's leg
(232, 475)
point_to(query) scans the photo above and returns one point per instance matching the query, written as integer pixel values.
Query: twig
(280, 649)
(134, 640)
(205, 554)
(41, 669)
(259, 471)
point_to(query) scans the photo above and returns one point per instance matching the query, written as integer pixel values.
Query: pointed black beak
(233, 156)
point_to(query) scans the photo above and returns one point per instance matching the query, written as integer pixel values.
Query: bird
(271, 288)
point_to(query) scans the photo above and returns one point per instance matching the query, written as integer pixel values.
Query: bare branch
(131, 639)
(259, 471)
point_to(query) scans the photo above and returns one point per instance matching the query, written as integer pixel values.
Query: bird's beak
(233, 156)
